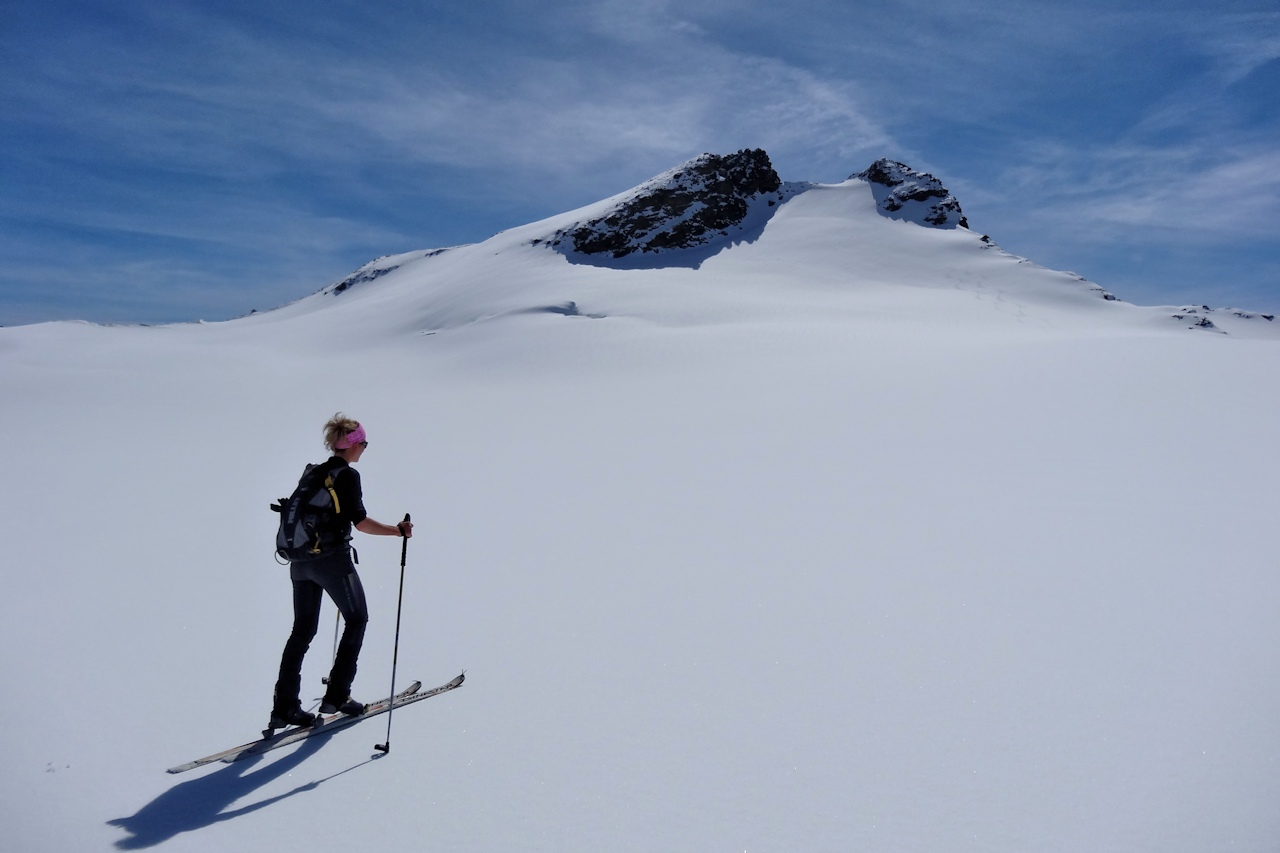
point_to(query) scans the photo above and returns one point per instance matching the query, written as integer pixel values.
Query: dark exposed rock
(903, 193)
(374, 270)
(360, 277)
(689, 206)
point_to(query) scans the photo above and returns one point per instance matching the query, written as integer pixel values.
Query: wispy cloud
(1119, 193)
(255, 106)
(1240, 43)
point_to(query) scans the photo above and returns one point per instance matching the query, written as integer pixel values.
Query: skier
(333, 573)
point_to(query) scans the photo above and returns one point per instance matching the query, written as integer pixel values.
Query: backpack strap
(333, 493)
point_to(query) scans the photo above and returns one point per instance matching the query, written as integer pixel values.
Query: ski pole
(395, 654)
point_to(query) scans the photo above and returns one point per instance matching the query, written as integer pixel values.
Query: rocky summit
(688, 206)
(903, 193)
(717, 199)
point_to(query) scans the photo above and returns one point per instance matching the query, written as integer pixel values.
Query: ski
(325, 724)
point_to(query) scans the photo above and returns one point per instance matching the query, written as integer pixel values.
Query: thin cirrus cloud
(529, 115)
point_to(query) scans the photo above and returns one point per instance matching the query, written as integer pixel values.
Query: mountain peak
(689, 213)
(695, 204)
(903, 193)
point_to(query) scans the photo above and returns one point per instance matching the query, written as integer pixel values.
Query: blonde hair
(338, 427)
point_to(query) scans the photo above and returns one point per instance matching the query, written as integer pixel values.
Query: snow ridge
(1197, 317)
(379, 267)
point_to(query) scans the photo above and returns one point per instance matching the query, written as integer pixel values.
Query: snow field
(972, 564)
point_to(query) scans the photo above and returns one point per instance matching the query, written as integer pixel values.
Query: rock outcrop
(903, 193)
(689, 206)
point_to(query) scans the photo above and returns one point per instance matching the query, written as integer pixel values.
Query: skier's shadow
(203, 801)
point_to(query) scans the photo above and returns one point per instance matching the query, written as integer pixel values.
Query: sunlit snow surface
(855, 536)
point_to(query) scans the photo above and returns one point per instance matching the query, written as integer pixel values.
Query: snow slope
(853, 535)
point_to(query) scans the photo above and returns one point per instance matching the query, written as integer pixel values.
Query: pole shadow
(203, 801)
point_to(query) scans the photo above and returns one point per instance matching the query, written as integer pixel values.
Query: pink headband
(352, 438)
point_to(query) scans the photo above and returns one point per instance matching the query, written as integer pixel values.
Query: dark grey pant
(336, 576)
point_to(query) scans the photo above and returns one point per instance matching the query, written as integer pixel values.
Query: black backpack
(309, 518)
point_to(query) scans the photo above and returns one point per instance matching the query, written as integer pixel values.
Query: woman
(333, 573)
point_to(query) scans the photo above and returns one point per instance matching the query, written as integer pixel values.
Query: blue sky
(182, 160)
